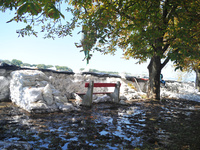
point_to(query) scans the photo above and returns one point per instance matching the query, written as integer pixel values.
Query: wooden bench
(87, 97)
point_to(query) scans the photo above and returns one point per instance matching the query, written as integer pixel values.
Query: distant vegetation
(97, 71)
(64, 68)
(39, 66)
(43, 66)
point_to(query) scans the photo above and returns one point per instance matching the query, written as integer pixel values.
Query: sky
(63, 52)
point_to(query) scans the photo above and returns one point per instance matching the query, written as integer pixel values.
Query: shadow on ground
(170, 124)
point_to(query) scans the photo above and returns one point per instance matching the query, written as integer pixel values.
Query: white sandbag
(66, 107)
(47, 95)
(4, 88)
(33, 94)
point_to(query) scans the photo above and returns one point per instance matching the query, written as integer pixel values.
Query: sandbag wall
(69, 83)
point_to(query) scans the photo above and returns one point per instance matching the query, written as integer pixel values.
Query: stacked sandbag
(31, 90)
(4, 85)
(4, 88)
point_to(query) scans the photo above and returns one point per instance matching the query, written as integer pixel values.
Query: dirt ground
(141, 124)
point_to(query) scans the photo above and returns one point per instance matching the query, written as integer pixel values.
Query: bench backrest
(102, 84)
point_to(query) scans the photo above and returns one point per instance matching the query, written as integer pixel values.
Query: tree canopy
(16, 62)
(190, 64)
(144, 28)
(159, 30)
(33, 12)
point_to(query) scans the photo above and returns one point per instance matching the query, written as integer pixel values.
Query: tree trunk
(154, 68)
(197, 79)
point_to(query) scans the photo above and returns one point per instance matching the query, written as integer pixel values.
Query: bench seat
(95, 93)
(87, 97)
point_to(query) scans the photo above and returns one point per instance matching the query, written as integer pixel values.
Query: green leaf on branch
(22, 9)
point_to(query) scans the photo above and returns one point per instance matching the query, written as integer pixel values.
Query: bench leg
(87, 98)
(115, 95)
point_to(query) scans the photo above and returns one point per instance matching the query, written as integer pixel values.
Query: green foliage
(49, 66)
(26, 31)
(154, 29)
(63, 68)
(33, 65)
(33, 12)
(26, 64)
(97, 71)
(143, 29)
(7, 61)
(189, 63)
(41, 66)
(16, 62)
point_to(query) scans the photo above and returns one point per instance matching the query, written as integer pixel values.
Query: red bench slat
(95, 93)
(102, 92)
(102, 84)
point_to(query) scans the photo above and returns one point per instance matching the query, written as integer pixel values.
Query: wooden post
(87, 98)
(115, 95)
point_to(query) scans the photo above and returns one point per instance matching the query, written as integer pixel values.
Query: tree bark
(154, 68)
(197, 79)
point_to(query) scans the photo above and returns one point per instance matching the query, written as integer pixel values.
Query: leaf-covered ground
(169, 124)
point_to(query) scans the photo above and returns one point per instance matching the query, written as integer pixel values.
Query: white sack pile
(180, 90)
(31, 90)
(4, 88)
